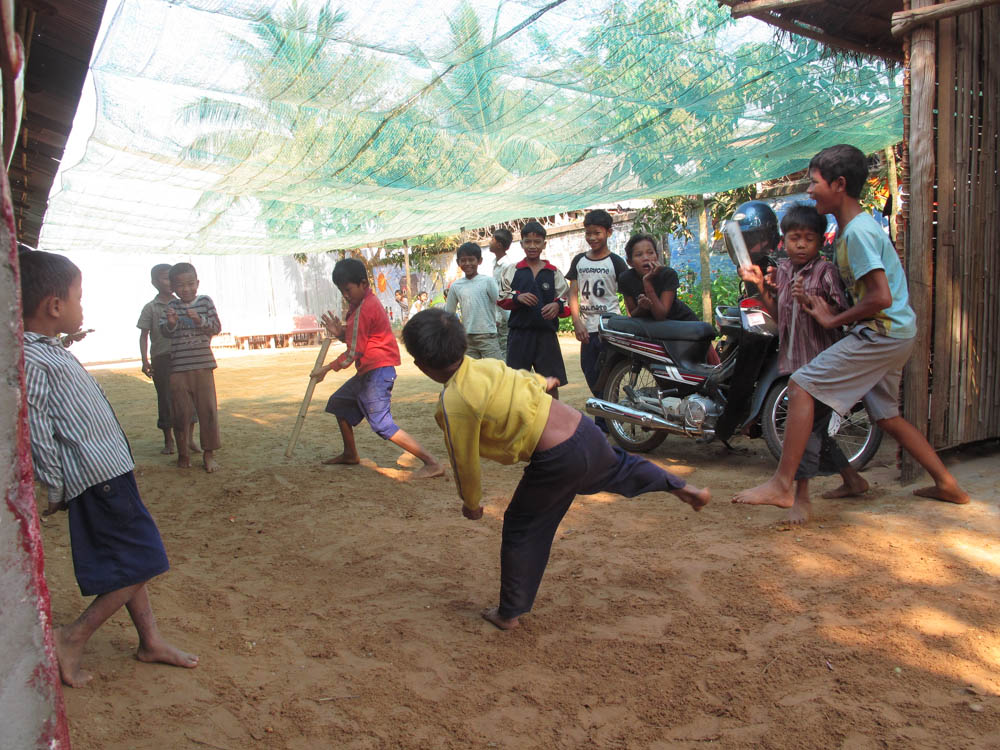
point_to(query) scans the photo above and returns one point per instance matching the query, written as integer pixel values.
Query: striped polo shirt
(191, 345)
(76, 440)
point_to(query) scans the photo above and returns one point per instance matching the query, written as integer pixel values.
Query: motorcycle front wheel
(631, 437)
(858, 436)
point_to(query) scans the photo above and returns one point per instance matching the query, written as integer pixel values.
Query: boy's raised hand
(333, 324)
(650, 272)
(193, 314)
(752, 275)
(799, 291)
(527, 299)
(171, 314)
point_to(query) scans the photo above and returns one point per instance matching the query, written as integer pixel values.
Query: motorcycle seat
(661, 330)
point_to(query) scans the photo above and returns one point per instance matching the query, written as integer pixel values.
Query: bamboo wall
(964, 310)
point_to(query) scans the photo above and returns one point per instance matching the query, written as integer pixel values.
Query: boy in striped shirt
(190, 322)
(80, 453)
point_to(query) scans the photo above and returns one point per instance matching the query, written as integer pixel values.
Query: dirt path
(338, 606)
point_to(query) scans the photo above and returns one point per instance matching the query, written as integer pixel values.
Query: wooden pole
(905, 20)
(706, 267)
(919, 256)
(893, 179)
(406, 268)
(301, 418)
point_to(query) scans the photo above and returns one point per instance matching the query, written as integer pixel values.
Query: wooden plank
(991, 200)
(761, 6)
(904, 20)
(919, 260)
(831, 41)
(944, 261)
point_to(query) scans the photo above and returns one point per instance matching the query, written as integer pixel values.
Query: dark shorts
(114, 539)
(536, 349)
(366, 396)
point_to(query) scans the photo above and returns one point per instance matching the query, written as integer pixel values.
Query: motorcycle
(655, 383)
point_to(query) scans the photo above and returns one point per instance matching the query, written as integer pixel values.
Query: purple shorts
(366, 396)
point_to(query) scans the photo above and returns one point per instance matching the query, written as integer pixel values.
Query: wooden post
(406, 270)
(706, 267)
(301, 418)
(920, 251)
(945, 286)
(893, 179)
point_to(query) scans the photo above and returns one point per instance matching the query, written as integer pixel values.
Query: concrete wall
(31, 705)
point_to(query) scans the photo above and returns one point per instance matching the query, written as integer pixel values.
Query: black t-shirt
(665, 280)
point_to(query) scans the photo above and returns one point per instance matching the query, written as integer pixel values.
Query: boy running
(372, 349)
(535, 292)
(81, 455)
(488, 409)
(477, 296)
(868, 362)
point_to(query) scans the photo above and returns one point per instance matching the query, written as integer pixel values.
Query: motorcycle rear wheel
(631, 437)
(858, 437)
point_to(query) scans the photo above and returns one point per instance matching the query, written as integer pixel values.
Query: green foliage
(672, 216)
(725, 291)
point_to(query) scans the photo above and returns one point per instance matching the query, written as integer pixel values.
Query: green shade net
(233, 126)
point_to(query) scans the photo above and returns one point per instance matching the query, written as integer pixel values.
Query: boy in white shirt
(476, 295)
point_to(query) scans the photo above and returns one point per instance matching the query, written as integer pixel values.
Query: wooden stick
(300, 420)
(905, 20)
(758, 6)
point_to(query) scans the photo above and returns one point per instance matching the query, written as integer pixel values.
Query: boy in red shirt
(372, 348)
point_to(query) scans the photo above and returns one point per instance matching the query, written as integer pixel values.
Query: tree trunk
(406, 267)
(665, 245)
(706, 266)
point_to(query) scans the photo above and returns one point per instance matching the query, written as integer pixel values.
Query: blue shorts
(366, 396)
(115, 541)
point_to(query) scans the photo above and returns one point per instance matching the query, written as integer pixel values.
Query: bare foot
(184, 462)
(68, 655)
(949, 493)
(772, 492)
(163, 653)
(343, 458)
(798, 514)
(427, 471)
(168, 449)
(846, 490)
(193, 448)
(493, 615)
(211, 465)
(694, 497)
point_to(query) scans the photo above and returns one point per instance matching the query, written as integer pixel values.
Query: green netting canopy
(243, 126)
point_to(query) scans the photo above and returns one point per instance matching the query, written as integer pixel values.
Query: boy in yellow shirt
(488, 409)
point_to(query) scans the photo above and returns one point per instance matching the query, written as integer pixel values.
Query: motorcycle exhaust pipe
(620, 413)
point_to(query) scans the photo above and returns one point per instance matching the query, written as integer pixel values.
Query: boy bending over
(801, 338)
(372, 348)
(81, 455)
(488, 409)
(868, 361)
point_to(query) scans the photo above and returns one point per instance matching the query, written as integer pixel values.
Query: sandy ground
(339, 606)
